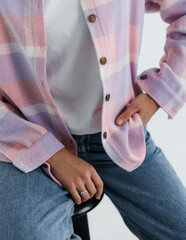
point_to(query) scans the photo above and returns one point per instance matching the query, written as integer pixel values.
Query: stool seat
(86, 207)
(79, 218)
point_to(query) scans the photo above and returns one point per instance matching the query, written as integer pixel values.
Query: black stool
(79, 218)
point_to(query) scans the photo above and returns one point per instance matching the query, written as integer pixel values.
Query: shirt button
(143, 76)
(105, 135)
(92, 18)
(107, 97)
(103, 60)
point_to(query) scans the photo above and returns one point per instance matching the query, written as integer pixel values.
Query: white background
(169, 134)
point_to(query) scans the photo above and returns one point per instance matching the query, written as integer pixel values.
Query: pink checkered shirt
(31, 128)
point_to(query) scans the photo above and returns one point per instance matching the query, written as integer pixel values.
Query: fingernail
(120, 121)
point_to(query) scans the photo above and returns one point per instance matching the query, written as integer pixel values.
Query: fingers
(76, 190)
(85, 196)
(132, 108)
(93, 184)
(89, 181)
(98, 184)
(74, 193)
(91, 188)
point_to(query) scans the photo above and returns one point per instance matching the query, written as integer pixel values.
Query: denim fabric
(151, 199)
(33, 206)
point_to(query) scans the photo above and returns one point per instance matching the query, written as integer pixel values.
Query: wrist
(56, 157)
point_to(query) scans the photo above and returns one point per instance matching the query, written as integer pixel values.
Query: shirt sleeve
(47, 169)
(167, 84)
(25, 144)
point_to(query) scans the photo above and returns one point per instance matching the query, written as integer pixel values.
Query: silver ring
(85, 191)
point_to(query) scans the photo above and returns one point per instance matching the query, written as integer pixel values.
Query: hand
(144, 105)
(74, 173)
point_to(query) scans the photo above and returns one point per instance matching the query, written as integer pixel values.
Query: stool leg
(81, 227)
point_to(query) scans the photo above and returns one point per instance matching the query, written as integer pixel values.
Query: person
(68, 74)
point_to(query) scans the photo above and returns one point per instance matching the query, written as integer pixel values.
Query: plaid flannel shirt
(31, 128)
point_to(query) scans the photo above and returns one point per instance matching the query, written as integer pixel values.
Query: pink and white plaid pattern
(31, 128)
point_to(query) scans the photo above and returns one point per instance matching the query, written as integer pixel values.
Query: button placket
(103, 60)
(92, 18)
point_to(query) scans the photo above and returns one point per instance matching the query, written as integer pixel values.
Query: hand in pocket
(144, 105)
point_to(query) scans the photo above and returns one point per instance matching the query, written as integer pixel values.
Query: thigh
(33, 206)
(151, 199)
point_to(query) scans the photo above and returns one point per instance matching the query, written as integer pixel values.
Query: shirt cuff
(164, 87)
(47, 169)
(40, 151)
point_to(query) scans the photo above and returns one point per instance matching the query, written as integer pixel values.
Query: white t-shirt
(72, 68)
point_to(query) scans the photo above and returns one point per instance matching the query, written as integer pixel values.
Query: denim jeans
(151, 199)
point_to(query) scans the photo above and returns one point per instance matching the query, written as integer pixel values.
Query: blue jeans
(151, 199)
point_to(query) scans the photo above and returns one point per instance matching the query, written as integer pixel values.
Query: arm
(166, 85)
(28, 145)
(23, 143)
